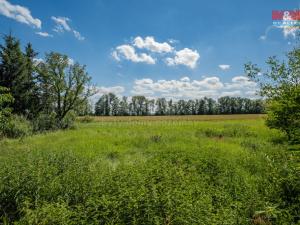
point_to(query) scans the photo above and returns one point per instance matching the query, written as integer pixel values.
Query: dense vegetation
(197, 172)
(110, 105)
(37, 96)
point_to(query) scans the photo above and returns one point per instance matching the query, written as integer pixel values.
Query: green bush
(47, 122)
(16, 127)
(44, 122)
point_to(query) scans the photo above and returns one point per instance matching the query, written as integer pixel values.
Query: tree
(30, 97)
(63, 87)
(6, 100)
(124, 107)
(12, 71)
(161, 106)
(138, 105)
(281, 86)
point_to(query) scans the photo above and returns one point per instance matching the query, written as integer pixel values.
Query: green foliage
(150, 173)
(281, 86)
(11, 126)
(235, 130)
(110, 105)
(17, 74)
(63, 87)
(47, 122)
(16, 127)
(44, 122)
(284, 113)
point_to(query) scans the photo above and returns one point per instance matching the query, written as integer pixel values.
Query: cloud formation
(185, 88)
(224, 67)
(62, 25)
(150, 44)
(19, 13)
(162, 50)
(44, 34)
(186, 56)
(128, 52)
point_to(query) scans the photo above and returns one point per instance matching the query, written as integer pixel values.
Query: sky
(167, 48)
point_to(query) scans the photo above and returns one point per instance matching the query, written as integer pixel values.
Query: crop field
(151, 170)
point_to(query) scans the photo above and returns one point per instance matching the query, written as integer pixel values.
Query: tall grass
(191, 172)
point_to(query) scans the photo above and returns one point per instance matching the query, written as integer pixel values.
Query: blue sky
(170, 48)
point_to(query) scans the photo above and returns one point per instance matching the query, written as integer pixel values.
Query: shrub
(16, 127)
(48, 122)
(68, 121)
(44, 122)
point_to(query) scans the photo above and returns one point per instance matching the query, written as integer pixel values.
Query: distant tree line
(110, 105)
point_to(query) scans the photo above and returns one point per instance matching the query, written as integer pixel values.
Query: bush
(47, 122)
(68, 121)
(15, 127)
(44, 122)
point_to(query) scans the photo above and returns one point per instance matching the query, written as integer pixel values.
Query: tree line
(111, 105)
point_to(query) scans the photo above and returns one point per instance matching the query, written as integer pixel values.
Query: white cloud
(78, 35)
(241, 82)
(149, 43)
(128, 52)
(224, 67)
(117, 90)
(62, 25)
(185, 88)
(44, 34)
(19, 13)
(185, 57)
(185, 79)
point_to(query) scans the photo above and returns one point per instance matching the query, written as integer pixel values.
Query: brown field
(176, 118)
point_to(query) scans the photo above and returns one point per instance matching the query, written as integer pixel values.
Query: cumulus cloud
(185, 88)
(149, 43)
(186, 56)
(128, 52)
(117, 90)
(162, 51)
(224, 67)
(19, 13)
(44, 34)
(62, 25)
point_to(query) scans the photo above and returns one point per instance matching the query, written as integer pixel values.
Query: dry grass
(175, 118)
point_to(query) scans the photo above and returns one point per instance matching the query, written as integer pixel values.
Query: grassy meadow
(151, 170)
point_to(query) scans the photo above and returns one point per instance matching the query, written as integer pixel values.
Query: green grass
(150, 172)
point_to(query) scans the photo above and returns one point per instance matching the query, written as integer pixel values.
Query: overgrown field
(156, 171)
